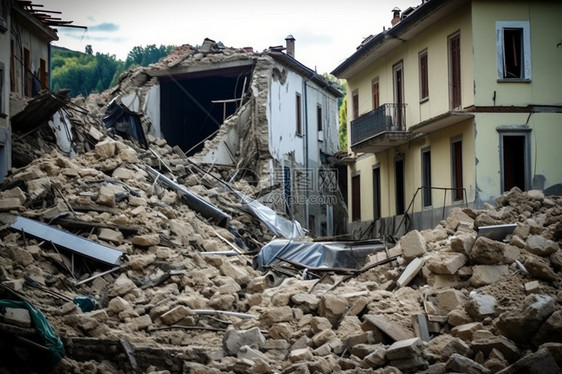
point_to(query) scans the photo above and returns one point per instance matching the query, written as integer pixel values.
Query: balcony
(380, 129)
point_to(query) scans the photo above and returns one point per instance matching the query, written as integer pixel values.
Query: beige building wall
(434, 40)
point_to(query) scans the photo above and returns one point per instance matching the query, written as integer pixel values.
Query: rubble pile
(186, 297)
(450, 301)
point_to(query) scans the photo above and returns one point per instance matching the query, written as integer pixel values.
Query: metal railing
(387, 117)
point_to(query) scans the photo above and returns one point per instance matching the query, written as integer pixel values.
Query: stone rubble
(489, 306)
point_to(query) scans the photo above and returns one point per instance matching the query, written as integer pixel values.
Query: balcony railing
(387, 117)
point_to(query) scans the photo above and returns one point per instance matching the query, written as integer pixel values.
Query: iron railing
(387, 117)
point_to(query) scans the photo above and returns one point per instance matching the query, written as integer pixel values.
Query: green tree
(343, 124)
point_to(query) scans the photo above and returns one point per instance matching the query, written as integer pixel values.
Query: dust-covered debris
(186, 296)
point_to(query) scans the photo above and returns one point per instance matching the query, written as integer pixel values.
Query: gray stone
(534, 310)
(539, 362)
(550, 330)
(403, 349)
(539, 268)
(235, 339)
(461, 364)
(540, 246)
(481, 306)
(489, 252)
(17, 316)
(446, 262)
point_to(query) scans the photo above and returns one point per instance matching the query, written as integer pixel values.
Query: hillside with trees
(84, 73)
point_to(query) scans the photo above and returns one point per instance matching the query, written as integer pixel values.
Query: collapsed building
(133, 239)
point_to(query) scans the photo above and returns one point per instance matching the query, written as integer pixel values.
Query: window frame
(455, 72)
(375, 91)
(355, 104)
(523, 131)
(356, 197)
(2, 82)
(424, 75)
(456, 174)
(525, 59)
(298, 113)
(426, 177)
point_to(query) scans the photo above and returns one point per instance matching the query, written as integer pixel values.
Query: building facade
(456, 103)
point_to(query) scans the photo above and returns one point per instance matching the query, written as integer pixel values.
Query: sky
(326, 32)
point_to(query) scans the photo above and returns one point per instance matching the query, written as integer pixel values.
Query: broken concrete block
(249, 353)
(376, 359)
(14, 193)
(139, 323)
(305, 301)
(277, 314)
(550, 330)
(466, 331)
(449, 300)
(323, 337)
(235, 339)
(38, 188)
(117, 305)
(105, 149)
(539, 268)
(410, 272)
(486, 344)
(407, 355)
(532, 287)
(456, 217)
(175, 315)
(146, 240)
(446, 262)
(391, 329)
(17, 316)
(109, 235)
(304, 354)
(540, 246)
(463, 242)
(122, 286)
(14, 284)
(236, 272)
(461, 364)
(487, 274)
(333, 307)
(318, 324)
(489, 252)
(539, 362)
(531, 314)
(413, 245)
(481, 306)
(9, 203)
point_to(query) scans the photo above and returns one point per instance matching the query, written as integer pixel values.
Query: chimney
(290, 45)
(396, 18)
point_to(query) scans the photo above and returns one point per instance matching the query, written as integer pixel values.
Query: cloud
(104, 27)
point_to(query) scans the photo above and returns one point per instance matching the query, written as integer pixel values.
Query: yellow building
(454, 104)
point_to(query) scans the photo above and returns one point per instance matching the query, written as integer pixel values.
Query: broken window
(356, 198)
(376, 94)
(455, 71)
(426, 176)
(298, 114)
(513, 50)
(424, 75)
(456, 169)
(319, 124)
(43, 75)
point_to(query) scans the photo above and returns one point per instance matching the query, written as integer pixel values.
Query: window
(356, 198)
(426, 176)
(424, 74)
(355, 104)
(376, 94)
(43, 75)
(376, 192)
(398, 78)
(515, 158)
(513, 45)
(28, 76)
(12, 66)
(299, 115)
(4, 15)
(399, 184)
(455, 71)
(456, 169)
(319, 124)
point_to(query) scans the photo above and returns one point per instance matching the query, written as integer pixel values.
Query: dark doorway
(194, 105)
(399, 180)
(513, 163)
(356, 198)
(376, 193)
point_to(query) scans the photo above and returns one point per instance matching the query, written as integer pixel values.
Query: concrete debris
(179, 310)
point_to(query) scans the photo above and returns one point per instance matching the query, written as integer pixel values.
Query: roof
(44, 19)
(413, 21)
(289, 61)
